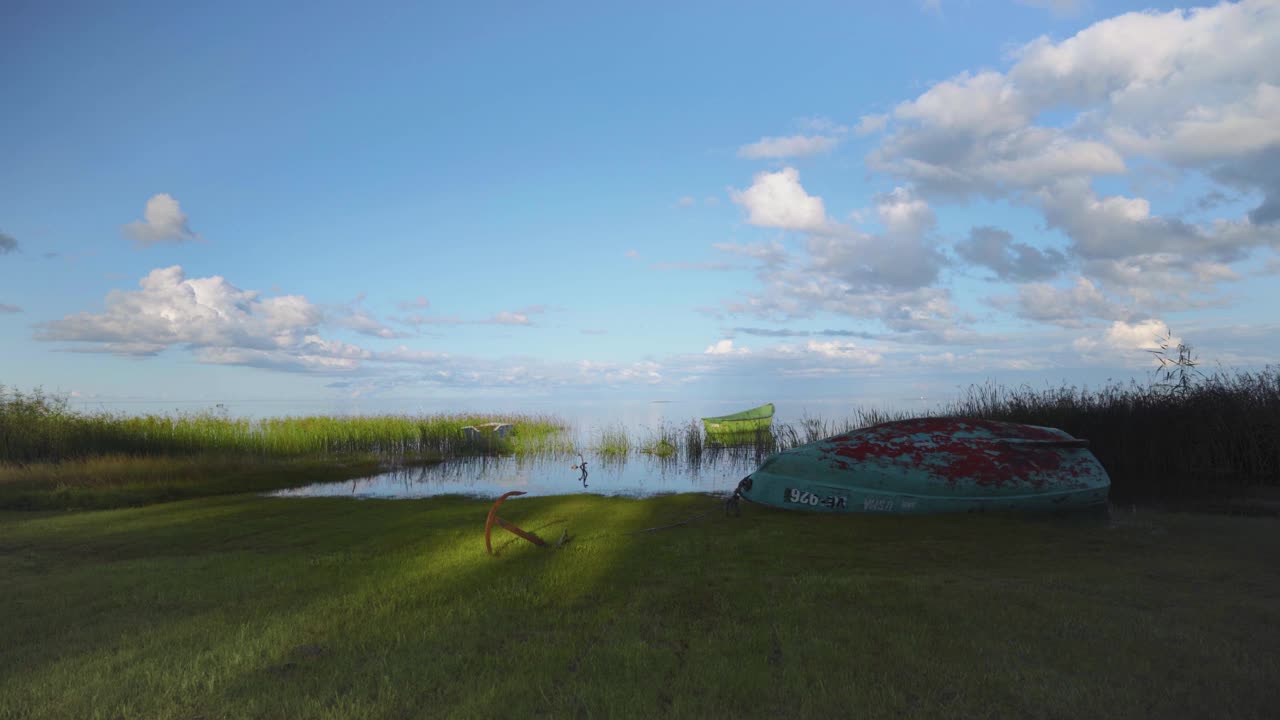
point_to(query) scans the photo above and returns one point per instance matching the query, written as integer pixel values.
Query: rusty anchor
(493, 518)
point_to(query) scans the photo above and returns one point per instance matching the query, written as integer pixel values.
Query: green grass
(248, 607)
(122, 481)
(614, 442)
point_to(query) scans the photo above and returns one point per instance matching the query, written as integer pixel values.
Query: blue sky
(502, 203)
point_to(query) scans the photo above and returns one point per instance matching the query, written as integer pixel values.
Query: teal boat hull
(933, 465)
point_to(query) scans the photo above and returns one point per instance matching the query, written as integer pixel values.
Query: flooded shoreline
(555, 474)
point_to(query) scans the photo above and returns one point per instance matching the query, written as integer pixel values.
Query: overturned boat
(933, 465)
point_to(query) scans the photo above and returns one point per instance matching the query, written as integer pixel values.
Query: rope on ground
(678, 524)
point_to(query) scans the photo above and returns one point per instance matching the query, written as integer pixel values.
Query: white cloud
(885, 277)
(646, 372)
(686, 201)
(785, 147)
(511, 318)
(776, 199)
(1066, 307)
(219, 323)
(1117, 232)
(843, 351)
(277, 360)
(163, 221)
(945, 359)
(9, 309)
(361, 322)
(1144, 94)
(869, 124)
(902, 212)
(171, 309)
(1142, 335)
(724, 347)
(403, 354)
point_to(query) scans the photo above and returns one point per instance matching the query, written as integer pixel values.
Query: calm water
(638, 476)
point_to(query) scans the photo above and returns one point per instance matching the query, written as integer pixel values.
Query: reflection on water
(716, 471)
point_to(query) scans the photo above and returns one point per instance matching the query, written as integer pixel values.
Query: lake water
(639, 475)
(716, 471)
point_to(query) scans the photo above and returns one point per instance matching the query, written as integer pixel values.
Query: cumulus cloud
(9, 309)
(996, 250)
(686, 201)
(786, 147)
(869, 124)
(1186, 94)
(1066, 307)
(886, 276)
(724, 347)
(163, 221)
(8, 244)
(1197, 88)
(171, 309)
(776, 199)
(1142, 335)
(219, 323)
(905, 257)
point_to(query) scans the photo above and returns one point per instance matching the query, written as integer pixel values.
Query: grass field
(250, 607)
(113, 481)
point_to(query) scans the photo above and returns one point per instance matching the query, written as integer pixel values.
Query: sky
(426, 206)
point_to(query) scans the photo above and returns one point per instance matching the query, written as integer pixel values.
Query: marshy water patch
(640, 475)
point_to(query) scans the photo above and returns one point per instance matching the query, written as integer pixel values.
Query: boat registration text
(804, 497)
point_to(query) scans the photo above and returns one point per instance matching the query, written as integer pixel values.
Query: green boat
(747, 421)
(933, 465)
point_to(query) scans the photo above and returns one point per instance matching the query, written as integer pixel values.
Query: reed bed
(1206, 438)
(1202, 436)
(615, 442)
(38, 427)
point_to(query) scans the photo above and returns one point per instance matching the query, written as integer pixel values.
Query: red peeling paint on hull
(981, 451)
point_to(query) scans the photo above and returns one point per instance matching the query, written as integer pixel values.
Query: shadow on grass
(251, 607)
